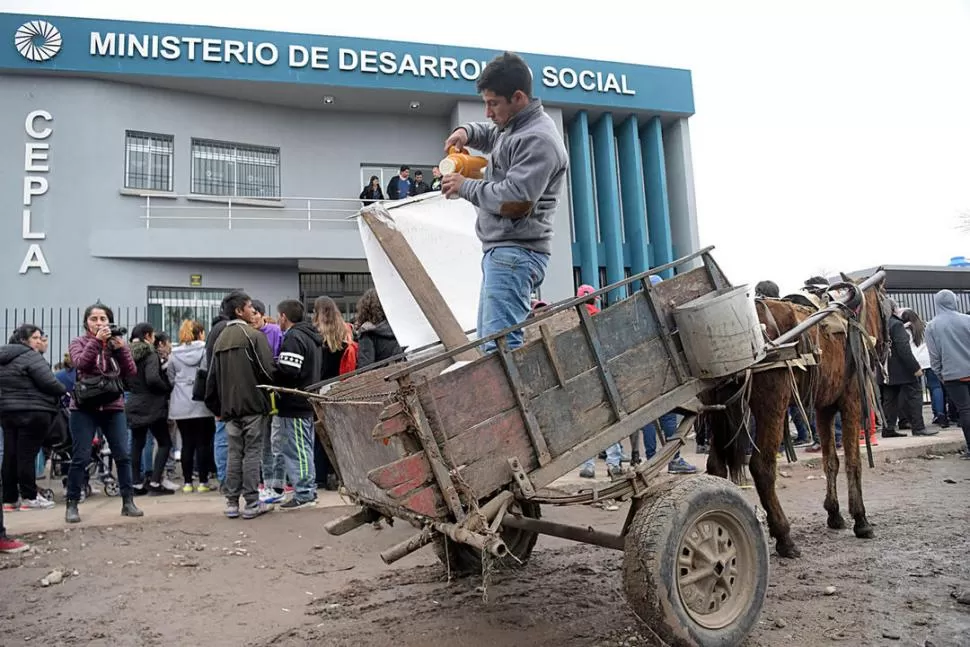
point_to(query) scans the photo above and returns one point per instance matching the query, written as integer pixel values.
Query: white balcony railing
(223, 212)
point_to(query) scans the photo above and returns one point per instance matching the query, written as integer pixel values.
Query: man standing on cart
(517, 200)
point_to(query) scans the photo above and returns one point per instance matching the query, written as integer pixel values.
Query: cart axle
(574, 533)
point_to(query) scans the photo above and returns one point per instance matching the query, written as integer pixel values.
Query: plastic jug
(470, 166)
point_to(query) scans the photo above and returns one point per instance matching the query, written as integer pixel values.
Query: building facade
(157, 166)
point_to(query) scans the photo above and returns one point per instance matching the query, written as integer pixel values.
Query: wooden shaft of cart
(835, 306)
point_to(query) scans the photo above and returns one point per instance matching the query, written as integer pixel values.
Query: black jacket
(377, 343)
(395, 190)
(298, 366)
(242, 359)
(148, 390)
(26, 381)
(330, 366)
(210, 339)
(903, 365)
(419, 188)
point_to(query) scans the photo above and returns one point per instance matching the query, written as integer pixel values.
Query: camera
(117, 331)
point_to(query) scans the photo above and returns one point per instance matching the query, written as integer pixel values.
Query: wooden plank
(547, 345)
(415, 277)
(531, 426)
(470, 395)
(557, 323)
(680, 370)
(569, 415)
(643, 373)
(593, 340)
(433, 453)
(681, 289)
(574, 457)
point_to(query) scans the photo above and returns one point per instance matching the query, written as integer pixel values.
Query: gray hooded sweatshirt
(183, 364)
(523, 181)
(948, 338)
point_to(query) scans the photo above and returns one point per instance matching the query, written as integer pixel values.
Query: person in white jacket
(196, 423)
(917, 335)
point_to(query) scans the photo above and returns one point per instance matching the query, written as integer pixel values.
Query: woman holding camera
(102, 361)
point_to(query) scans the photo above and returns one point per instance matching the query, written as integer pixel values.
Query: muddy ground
(280, 580)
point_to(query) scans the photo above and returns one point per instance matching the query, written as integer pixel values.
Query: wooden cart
(467, 455)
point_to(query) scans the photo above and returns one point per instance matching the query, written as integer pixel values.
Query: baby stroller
(101, 466)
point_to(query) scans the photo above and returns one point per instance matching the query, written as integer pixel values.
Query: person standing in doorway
(400, 185)
(517, 200)
(299, 366)
(242, 360)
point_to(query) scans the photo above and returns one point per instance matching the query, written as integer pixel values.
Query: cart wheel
(695, 568)
(88, 490)
(465, 560)
(47, 494)
(111, 488)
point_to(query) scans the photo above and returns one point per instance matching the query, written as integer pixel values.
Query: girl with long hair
(336, 333)
(196, 423)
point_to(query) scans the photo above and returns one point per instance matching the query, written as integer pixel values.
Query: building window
(235, 170)
(148, 161)
(345, 288)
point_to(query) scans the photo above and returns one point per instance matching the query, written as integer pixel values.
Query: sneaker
(10, 546)
(11, 507)
(614, 470)
(154, 489)
(680, 466)
(188, 489)
(253, 510)
(288, 489)
(232, 510)
(294, 504)
(814, 449)
(587, 473)
(269, 495)
(169, 485)
(202, 489)
(39, 503)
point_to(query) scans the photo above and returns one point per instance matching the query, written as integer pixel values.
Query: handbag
(96, 391)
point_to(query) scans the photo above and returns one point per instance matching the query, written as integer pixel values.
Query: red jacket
(92, 357)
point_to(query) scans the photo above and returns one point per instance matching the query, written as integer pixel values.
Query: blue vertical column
(584, 210)
(633, 195)
(658, 204)
(608, 201)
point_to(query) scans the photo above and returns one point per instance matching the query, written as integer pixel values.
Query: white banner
(442, 234)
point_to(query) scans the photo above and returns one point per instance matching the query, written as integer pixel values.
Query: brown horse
(833, 387)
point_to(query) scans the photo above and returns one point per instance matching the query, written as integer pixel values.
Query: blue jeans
(613, 455)
(509, 277)
(295, 439)
(668, 423)
(114, 426)
(147, 456)
(220, 449)
(937, 399)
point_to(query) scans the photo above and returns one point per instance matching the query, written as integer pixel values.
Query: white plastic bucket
(720, 333)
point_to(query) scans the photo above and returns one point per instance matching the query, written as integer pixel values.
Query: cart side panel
(466, 397)
(574, 413)
(644, 373)
(681, 289)
(348, 427)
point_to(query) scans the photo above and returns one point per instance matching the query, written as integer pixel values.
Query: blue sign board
(81, 45)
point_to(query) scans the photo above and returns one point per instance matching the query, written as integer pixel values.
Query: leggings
(197, 437)
(163, 443)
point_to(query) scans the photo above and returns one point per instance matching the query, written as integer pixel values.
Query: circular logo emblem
(37, 40)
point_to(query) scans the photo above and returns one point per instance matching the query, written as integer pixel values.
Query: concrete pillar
(584, 210)
(680, 189)
(655, 182)
(608, 201)
(633, 194)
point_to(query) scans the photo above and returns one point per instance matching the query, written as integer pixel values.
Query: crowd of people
(145, 396)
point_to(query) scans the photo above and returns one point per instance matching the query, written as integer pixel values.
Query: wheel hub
(713, 569)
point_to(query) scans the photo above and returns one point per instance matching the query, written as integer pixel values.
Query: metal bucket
(720, 333)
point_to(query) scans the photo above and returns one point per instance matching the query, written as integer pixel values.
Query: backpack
(348, 362)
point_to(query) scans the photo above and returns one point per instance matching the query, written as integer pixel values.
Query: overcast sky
(829, 134)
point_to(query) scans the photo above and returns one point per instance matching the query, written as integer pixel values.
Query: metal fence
(922, 301)
(64, 324)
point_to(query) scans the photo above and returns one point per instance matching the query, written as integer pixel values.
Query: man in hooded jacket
(948, 341)
(298, 366)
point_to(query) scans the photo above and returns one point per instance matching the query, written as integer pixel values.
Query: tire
(663, 556)
(465, 560)
(88, 490)
(111, 488)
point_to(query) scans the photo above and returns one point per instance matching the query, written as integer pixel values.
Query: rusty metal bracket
(609, 384)
(521, 478)
(515, 382)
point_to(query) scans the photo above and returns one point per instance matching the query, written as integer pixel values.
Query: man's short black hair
(293, 310)
(505, 75)
(767, 289)
(235, 300)
(259, 306)
(405, 167)
(418, 174)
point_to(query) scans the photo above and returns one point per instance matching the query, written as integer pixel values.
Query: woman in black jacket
(147, 410)
(29, 399)
(374, 334)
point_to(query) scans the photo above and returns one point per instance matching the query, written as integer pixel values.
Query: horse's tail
(728, 429)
